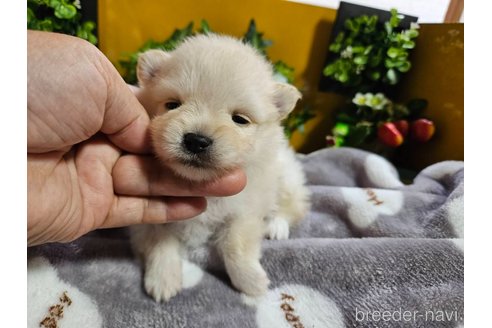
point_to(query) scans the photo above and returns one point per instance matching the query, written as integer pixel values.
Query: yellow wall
(300, 34)
(438, 76)
(125, 25)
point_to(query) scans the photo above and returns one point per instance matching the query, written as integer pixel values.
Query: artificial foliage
(370, 53)
(365, 120)
(371, 58)
(62, 16)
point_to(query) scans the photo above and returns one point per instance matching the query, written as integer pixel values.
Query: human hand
(82, 119)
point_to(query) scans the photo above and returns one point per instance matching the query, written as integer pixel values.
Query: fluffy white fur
(214, 79)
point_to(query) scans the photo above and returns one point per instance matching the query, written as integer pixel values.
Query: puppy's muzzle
(195, 143)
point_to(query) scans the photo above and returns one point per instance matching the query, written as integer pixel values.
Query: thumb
(125, 121)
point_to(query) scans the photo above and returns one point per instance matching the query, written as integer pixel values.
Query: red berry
(402, 126)
(422, 130)
(389, 135)
(330, 141)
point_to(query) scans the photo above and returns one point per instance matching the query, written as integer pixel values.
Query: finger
(65, 96)
(80, 93)
(95, 161)
(139, 210)
(134, 89)
(125, 121)
(145, 176)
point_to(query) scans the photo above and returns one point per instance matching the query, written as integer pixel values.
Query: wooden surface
(454, 12)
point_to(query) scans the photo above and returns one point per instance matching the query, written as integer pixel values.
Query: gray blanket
(372, 252)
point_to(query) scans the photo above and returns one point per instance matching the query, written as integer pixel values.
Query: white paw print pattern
(455, 211)
(365, 205)
(459, 243)
(381, 172)
(297, 306)
(45, 289)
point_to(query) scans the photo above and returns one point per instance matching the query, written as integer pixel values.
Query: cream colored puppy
(215, 107)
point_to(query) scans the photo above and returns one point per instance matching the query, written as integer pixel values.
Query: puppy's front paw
(162, 283)
(278, 228)
(250, 279)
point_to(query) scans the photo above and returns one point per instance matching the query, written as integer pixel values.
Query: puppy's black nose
(196, 143)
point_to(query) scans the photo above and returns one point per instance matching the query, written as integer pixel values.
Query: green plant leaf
(282, 68)
(335, 47)
(376, 59)
(390, 63)
(204, 27)
(408, 45)
(329, 70)
(374, 75)
(360, 60)
(343, 77)
(370, 25)
(393, 52)
(392, 76)
(89, 26)
(53, 3)
(405, 66)
(394, 20)
(81, 33)
(339, 141)
(30, 15)
(368, 50)
(358, 49)
(92, 39)
(412, 33)
(341, 129)
(352, 25)
(45, 25)
(255, 38)
(358, 134)
(339, 38)
(296, 120)
(373, 20)
(403, 55)
(388, 28)
(65, 11)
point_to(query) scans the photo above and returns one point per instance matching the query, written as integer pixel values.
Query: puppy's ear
(285, 97)
(149, 64)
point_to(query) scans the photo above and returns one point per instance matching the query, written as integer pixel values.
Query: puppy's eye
(239, 119)
(172, 105)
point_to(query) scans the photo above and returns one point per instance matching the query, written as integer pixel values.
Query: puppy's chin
(195, 169)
